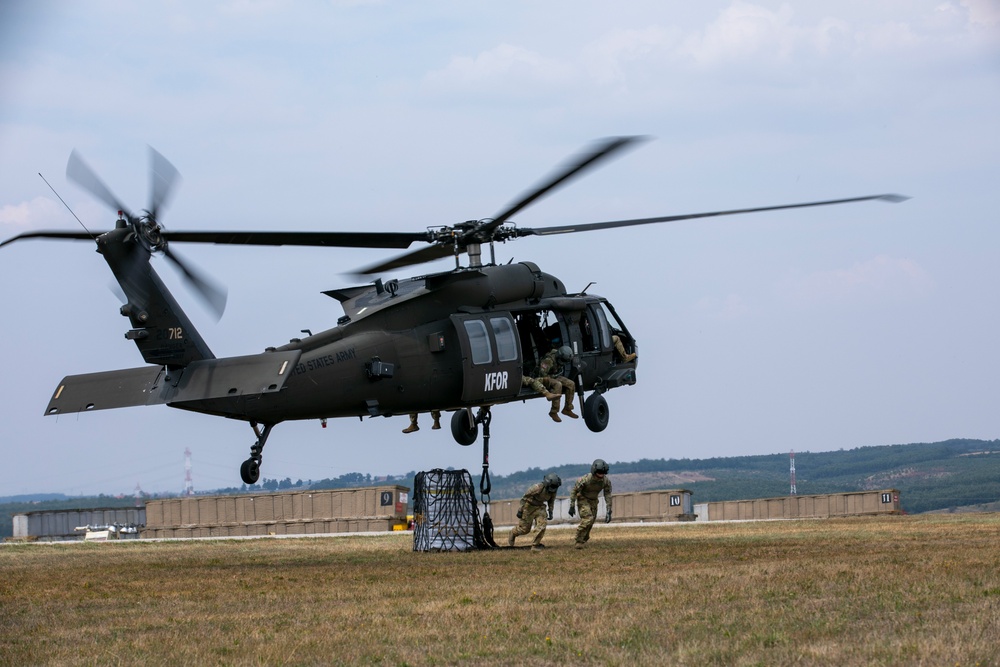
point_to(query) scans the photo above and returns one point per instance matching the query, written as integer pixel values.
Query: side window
(506, 338)
(602, 325)
(479, 341)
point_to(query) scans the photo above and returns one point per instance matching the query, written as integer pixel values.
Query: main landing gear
(250, 470)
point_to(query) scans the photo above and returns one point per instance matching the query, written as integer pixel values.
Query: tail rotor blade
(213, 294)
(164, 177)
(80, 173)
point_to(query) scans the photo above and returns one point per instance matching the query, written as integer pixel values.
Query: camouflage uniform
(587, 490)
(616, 342)
(549, 369)
(538, 384)
(536, 504)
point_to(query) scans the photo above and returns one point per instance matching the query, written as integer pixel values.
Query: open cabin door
(491, 357)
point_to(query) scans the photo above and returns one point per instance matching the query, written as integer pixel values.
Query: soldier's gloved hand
(607, 518)
(550, 515)
(572, 510)
(520, 514)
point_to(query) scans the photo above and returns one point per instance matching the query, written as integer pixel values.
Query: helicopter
(461, 341)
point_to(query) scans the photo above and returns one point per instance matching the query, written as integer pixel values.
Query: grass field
(905, 590)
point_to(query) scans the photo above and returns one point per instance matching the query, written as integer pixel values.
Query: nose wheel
(250, 469)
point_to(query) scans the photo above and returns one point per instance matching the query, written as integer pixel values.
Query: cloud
(608, 57)
(743, 31)
(983, 14)
(33, 214)
(507, 67)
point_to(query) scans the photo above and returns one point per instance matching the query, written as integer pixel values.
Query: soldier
(536, 506)
(588, 488)
(550, 370)
(616, 341)
(435, 415)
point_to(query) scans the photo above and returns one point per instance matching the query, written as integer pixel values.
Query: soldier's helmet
(600, 466)
(565, 353)
(552, 481)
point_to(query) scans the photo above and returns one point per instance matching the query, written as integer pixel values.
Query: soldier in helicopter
(550, 373)
(435, 415)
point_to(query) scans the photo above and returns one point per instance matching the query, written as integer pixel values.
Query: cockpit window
(479, 341)
(503, 332)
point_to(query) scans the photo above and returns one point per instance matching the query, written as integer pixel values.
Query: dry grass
(880, 591)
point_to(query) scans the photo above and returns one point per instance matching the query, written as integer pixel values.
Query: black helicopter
(454, 341)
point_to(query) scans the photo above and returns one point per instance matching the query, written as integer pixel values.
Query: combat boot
(579, 545)
(554, 412)
(630, 356)
(436, 416)
(510, 538)
(569, 393)
(413, 425)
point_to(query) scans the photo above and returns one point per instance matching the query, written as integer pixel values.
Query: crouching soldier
(536, 507)
(587, 490)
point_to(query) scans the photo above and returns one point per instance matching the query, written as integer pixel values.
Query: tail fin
(160, 328)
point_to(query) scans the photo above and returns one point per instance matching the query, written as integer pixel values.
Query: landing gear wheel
(250, 471)
(596, 413)
(464, 428)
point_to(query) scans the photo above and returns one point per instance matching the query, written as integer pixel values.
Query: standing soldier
(536, 506)
(587, 489)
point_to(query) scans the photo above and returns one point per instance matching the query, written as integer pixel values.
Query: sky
(806, 330)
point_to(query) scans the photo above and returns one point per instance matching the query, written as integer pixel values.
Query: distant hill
(954, 475)
(930, 476)
(32, 498)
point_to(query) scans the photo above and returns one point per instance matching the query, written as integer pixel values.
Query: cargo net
(445, 514)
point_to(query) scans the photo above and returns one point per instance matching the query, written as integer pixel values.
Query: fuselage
(440, 342)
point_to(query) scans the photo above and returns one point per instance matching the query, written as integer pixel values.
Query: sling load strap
(485, 485)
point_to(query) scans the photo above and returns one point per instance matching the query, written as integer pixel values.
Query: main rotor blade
(428, 254)
(570, 229)
(328, 239)
(164, 177)
(66, 236)
(211, 292)
(574, 167)
(79, 172)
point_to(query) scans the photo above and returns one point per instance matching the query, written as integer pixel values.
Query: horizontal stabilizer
(107, 390)
(207, 379)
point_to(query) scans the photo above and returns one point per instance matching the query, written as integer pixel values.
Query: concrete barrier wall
(677, 505)
(858, 503)
(360, 510)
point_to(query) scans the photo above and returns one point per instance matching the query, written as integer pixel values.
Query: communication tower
(188, 484)
(791, 458)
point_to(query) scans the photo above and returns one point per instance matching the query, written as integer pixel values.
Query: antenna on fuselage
(67, 207)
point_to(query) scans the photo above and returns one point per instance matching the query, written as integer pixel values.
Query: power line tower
(188, 484)
(791, 458)
(138, 495)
